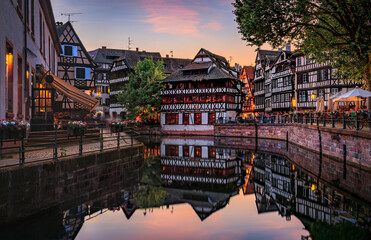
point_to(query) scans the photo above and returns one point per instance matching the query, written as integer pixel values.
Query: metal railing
(356, 122)
(56, 144)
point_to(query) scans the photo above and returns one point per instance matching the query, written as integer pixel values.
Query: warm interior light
(313, 187)
(27, 74)
(293, 167)
(294, 102)
(313, 96)
(9, 58)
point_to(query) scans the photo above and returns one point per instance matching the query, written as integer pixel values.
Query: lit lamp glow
(294, 102)
(313, 187)
(312, 96)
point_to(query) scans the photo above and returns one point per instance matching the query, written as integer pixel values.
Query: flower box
(13, 129)
(76, 128)
(117, 126)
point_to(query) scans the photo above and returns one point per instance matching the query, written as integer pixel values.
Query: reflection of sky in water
(238, 220)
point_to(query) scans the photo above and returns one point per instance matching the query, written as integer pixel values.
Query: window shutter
(87, 73)
(74, 51)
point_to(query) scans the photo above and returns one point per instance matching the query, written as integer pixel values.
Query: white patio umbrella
(353, 95)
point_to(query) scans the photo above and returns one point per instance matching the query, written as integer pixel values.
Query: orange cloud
(171, 16)
(214, 25)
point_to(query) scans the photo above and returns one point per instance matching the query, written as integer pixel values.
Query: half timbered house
(262, 79)
(104, 58)
(75, 66)
(246, 77)
(316, 80)
(203, 92)
(283, 82)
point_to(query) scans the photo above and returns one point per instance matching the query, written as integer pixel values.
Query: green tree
(338, 31)
(141, 95)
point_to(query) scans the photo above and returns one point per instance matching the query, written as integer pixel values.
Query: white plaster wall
(204, 118)
(162, 119)
(12, 29)
(188, 128)
(180, 118)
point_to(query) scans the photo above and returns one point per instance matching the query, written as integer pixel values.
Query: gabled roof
(62, 28)
(133, 57)
(173, 64)
(106, 55)
(218, 68)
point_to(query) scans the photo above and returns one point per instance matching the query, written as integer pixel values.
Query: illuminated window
(211, 118)
(212, 153)
(186, 151)
(172, 150)
(198, 118)
(172, 118)
(185, 118)
(198, 152)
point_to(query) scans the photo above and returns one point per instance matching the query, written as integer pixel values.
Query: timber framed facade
(75, 66)
(204, 92)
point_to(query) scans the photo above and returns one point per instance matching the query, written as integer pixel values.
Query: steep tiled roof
(105, 55)
(196, 66)
(173, 64)
(133, 57)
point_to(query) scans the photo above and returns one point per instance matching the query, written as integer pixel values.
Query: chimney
(167, 55)
(288, 48)
(137, 49)
(104, 47)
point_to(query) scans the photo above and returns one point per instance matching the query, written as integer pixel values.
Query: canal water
(198, 188)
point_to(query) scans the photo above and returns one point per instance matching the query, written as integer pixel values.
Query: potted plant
(363, 113)
(13, 129)
(335, 114)
(76, 128)
(116, 126)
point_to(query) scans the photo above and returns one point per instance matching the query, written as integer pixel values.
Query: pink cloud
(171, 16)
(214, 25)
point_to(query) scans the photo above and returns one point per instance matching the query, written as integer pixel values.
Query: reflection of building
(203, 92)
(280, 187)
(191, 165)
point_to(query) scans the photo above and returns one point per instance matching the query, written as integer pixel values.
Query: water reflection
(196, 186)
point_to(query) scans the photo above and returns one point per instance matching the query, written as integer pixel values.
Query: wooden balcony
(282, 89)
(200, 107)
(198, 91)
(311, 67)
(281, 105)
(282, 74)
(119, 68)
(117, 80)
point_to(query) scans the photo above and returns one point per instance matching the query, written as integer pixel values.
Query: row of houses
(285, 81)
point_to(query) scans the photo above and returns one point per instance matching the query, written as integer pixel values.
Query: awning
(70, 91)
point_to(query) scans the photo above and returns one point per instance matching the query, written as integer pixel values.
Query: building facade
(316, 80)
(28, 40)
(75, 66)
(203, 92)
(104, 58)
(246, 77)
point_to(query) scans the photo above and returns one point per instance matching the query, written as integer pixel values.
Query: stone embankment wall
(36, 188)
(358, 143)
(356, 181)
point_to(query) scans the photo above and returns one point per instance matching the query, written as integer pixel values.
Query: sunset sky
(181, 26)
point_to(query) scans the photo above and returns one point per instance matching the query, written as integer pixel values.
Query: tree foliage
(344, 230)
(338, 31)
(141, 95)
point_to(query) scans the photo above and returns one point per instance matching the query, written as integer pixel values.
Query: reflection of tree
(152, 171)
(149, 196)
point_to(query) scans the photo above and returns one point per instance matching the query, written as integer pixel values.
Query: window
(302, 96)
(171, 118)
(80, 73)
(198, 152)
(211, 118)
(304, 77)
(319, 75)
(172, 150)
(212, 152)
(32, 17)
(41, 32)
(185, 118)
(9, 73)
(325, 74)
(334, 91)
(185, 151)
(299, 61)
(68, 50)
(197, 118)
